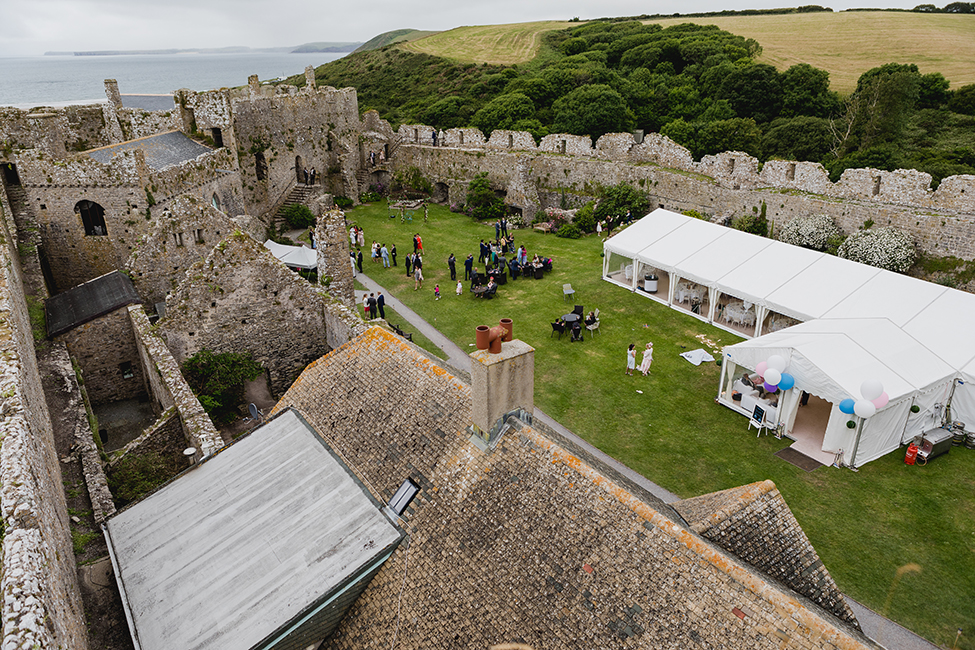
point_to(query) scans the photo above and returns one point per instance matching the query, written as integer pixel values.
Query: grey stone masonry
(170, 388)
(333, 250)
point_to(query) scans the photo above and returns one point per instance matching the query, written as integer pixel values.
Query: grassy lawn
(394, 318)
(864, 525)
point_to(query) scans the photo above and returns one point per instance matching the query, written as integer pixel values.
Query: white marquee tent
(298, 257)
(855, 322)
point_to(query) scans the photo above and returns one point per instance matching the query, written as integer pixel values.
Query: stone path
(883, 631)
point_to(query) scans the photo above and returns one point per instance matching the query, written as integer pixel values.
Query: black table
(571, 318)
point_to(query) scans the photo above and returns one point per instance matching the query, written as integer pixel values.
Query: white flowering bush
(810, 231)
(887, 248)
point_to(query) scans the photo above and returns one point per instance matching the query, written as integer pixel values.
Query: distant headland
(294, 49)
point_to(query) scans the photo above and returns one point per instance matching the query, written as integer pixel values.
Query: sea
(26, 82)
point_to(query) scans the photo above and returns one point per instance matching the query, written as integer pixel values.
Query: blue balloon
(847, 406)
(787, 381)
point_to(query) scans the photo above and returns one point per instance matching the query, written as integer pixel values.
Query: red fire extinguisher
(911, 455)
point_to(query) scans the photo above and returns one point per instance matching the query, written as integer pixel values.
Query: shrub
(299, 216)
(482, 203)
(413, 179)
(136, 476)
(570, 231)
(615, 201)
(585, 218)
(695, 214)
(886, 248)
(814, 231)
(218, 379)
(343, 202)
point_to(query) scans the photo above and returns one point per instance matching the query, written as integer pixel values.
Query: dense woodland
(696, 84)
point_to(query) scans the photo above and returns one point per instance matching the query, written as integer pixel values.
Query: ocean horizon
(27, 82)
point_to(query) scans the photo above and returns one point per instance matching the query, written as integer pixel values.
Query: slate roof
(529, 542)
(755, 523)
(88, 301)
(237, 548)
(162, 149)
(148, 102)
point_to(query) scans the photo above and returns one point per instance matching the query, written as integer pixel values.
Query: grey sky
(31, 27)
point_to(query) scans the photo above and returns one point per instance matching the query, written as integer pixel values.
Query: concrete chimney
(503, 380)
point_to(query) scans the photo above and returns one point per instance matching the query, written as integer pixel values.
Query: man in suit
(468, 267)
(358, 259)
(380, 303)
(452, 265)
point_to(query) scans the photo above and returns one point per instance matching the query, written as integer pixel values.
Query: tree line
(696, 84)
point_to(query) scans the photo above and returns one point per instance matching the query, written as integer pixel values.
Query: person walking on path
(409, 264)
(417, 278)
(452, 265)
(630, 358)
(359, 259)
(433, 134)
(647, 359)
(384, 252)
(381, 304)
(392, 253)
(468, 267)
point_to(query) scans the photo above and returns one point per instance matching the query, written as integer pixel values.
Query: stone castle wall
(103, 374)
(241, 299)
(170, 389)
(568, 168)
(42, 605)
(317, 129)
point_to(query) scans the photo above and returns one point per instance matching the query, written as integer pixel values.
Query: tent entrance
(809, 429)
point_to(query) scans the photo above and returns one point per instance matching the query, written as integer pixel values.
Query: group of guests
(491, 252)
(631, 359)
(380, 252)
(373, 305)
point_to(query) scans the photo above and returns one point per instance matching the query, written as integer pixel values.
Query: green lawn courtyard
(866, 525)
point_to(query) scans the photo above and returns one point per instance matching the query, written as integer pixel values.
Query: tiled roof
(162, 149)
(528, 542)
(755, 523)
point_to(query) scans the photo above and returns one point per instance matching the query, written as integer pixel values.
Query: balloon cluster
(774, 375)
(874, 399)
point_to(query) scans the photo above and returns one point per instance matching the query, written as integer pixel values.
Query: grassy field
(866, 526)
(495, 44)
(846, 44)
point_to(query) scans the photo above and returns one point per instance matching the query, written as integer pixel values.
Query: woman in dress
(630, 358)
(647, 359)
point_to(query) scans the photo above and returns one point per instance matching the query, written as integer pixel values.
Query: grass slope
(395, 36)
(866, 525)
(845, 44)
(493, 44)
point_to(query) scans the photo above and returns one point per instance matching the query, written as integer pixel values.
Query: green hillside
(389, 38)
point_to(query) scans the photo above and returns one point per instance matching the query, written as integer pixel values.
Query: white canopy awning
(294, 256)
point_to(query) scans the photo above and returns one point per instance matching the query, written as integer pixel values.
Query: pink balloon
(761, 368)
(881, 401)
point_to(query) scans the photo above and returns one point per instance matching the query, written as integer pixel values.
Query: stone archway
(441, 193)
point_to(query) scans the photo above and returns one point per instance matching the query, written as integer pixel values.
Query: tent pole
(856, 446)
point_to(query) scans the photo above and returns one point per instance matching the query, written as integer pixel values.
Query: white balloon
(864, 408)
(871, 389)
(777, 362)
(773, 376)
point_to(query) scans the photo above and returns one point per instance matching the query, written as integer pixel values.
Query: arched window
(215, 202)
(93, 218)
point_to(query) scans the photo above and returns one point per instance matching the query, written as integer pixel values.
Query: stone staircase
(28, 240)
(298, 194)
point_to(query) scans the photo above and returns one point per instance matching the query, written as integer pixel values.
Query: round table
(571, 318)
